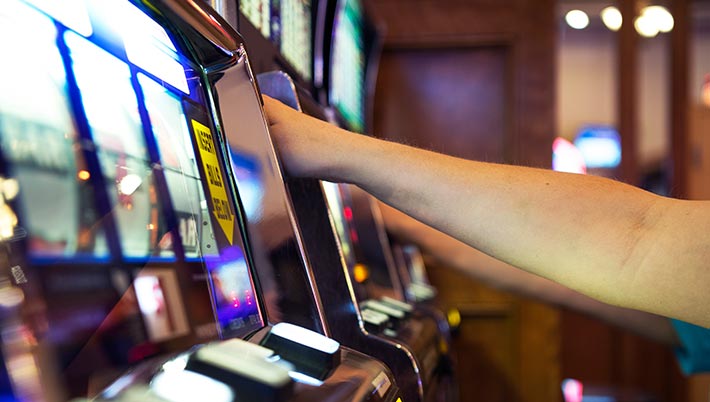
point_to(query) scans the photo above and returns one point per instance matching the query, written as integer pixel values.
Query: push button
(421, 292)
(394, 313)
(400, 305)
(374, 321)
(310, 352)
(243, 367)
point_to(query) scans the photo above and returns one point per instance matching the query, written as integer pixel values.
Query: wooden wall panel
(450, 100)
(475, 79)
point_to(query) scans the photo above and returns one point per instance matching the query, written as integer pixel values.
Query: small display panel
(347, 69)
(115, 205)
(233, 292)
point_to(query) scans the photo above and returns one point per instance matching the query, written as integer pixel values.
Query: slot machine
(381, 270)
(385, 317)
(125, 259)
(281, 34)
(301, 260)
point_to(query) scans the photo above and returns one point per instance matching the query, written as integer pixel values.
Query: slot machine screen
(258, 12)
(347, 69)
(340, 214)
(288, 25)
(114, 203)
(293, 33)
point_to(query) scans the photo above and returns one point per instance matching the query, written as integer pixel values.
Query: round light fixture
(645, 26)
(577, 19)
(660, 16)
(611, 17)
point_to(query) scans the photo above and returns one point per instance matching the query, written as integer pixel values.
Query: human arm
(481, 267)
(608, 240)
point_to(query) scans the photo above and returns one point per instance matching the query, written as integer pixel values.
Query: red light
(247, 297)
(235, 301)
(572, 390)
(353, 235)
(348, 212)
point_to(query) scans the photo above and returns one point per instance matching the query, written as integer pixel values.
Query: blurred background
(622, 89)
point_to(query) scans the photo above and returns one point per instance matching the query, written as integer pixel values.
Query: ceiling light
(611, 16)
(645, 26)
(660, 16)
(577, 19)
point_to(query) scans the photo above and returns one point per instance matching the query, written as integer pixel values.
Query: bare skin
(607, 240)
(466, 259)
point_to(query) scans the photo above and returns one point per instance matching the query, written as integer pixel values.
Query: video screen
(115, 203)
(172, 135)
(258, 12)
(233, 291)
(336, 206)
(39, 141)
(296, 35)
(347, 69)
(288, 25)
(118, 134)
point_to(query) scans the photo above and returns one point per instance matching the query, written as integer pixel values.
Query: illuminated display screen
(294, 35)
(288, 24)
(258, 12)
(114, 191)
(337, 209)
(600, 146)
(347, 69)
(340, 209)
(233, 291)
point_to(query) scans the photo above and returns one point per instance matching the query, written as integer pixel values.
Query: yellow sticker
(215, 179)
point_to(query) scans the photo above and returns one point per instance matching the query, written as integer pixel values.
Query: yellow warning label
(215, 179)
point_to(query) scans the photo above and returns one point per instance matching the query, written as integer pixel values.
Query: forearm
(522, 216)
(594, 235)
(605, 239)
(494, 273)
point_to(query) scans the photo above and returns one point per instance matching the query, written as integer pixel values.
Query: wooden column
(628, 105)
(679, 98)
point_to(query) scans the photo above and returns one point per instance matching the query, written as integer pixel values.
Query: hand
(303, 142)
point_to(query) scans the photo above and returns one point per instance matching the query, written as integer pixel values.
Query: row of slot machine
(152, 248)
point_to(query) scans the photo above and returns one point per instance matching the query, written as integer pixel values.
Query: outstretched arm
(497, 274)
(608, 240)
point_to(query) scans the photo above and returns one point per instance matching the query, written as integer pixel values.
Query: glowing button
(83, 175)
(360, 273)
